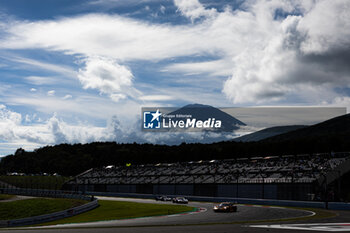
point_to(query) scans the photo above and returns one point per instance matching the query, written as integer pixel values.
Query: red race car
(225, 207)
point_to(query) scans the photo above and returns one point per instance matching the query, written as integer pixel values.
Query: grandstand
(293, 177)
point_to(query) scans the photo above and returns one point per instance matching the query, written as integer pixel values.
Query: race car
(163, 198)
(225, 207)
(180, 200)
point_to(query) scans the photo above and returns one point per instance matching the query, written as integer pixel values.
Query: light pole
(326, 191)
(237, 177)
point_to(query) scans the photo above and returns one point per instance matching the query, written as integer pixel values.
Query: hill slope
(338, 126)
(268, 132)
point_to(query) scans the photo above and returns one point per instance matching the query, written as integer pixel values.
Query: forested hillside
(65, 159)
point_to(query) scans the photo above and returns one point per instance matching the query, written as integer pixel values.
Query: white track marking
(311, 213)
(333, 227)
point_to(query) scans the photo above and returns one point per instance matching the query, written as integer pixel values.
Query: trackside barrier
(93, 203)
(338, 206)
(131, 195)
(50, 217)
(45, 193)
(311, 204)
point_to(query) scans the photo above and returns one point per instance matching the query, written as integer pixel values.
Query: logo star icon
(156, 115)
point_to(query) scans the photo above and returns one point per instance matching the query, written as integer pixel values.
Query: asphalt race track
(207, 215)
(205, 220)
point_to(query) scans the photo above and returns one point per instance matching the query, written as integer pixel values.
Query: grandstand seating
(274, 169)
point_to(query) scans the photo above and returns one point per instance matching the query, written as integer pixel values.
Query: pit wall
(308, 204)
(280, 191)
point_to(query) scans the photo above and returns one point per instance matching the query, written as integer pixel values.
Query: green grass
(113, 210)
(35, 182)
(107, 212)
(35, 207)
(6, 196)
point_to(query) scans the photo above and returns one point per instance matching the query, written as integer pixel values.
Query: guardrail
(50, 217)
(312, 204)
(53, 216)
(45, 193)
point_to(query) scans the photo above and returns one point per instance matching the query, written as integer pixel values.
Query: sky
(80, 71)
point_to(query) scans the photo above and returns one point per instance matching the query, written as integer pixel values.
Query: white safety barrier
(53, 216)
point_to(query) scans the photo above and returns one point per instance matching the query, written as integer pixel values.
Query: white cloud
(30, 118)
(11, 128)
(107, 76)
(343, 101)
(327, 26)
(193, 9)
(67, 97)
(98, 108)
(35, 64)
(115, 3)
(37, 80)
(33, 89)
(56, 131)
(51, 93)
(104, 35)
(117, 97)
(83, 105)
(7, 148)
(162, 9)
(284, 64)
(9, 116)
(265, 56)
(27, 119)
(52, 131)
(213, 68)
(156, 98)
(65, 133)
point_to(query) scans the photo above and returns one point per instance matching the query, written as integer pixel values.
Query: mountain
(268, 132)
(205, 112)
(335, 127)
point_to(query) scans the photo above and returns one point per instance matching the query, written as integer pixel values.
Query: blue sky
(80, 71)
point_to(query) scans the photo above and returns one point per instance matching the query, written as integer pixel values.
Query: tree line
(72, 159)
